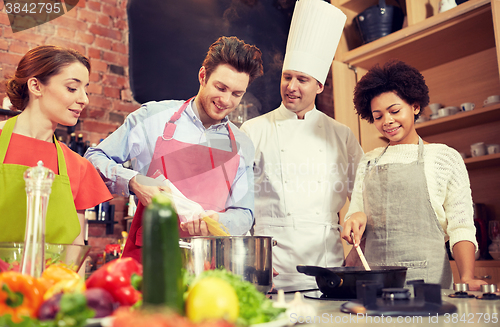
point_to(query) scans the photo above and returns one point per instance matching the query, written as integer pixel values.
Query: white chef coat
(304, 171)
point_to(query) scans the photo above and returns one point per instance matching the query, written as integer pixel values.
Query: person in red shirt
(49, 88)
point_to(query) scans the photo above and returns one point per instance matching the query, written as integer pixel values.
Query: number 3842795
(33, 8)
(471, 318)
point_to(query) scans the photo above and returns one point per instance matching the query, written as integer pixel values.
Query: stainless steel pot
(247, 256)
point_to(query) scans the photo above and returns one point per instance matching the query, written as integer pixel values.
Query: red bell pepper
(116, 278)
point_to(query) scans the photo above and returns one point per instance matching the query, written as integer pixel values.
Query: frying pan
(340, 282)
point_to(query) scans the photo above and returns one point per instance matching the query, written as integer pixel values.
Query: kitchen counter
(471, 312)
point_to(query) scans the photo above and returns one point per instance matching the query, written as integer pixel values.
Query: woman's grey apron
(402, 227)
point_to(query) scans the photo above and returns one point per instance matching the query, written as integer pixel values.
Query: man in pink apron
(192, 144)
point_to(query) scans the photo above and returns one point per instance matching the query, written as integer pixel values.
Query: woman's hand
(474, 284)
(356, 224)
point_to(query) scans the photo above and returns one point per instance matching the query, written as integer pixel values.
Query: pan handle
(332, 279)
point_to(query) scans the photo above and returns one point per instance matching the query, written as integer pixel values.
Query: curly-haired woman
(410, 196)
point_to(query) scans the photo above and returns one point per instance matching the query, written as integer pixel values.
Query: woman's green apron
(62, 224)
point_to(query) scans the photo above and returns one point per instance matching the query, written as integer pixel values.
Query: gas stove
(398, 301)
(488, 291)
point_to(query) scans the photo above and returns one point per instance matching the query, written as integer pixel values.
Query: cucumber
(161, 256)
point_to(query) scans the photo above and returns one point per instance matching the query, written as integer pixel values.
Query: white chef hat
(313, 38)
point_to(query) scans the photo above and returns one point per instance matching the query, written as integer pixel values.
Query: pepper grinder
(38, 186)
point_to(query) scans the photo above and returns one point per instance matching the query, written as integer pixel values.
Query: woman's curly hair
(395, 76)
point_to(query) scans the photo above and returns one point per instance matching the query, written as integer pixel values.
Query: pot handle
(332, 278)
(184, 245)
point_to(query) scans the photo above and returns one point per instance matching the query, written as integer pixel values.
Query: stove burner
(461, 291)
(461, 295)
(397, 302)
(489, 292)
(395, 294)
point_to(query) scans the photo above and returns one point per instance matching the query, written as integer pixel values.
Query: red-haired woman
(49, 87)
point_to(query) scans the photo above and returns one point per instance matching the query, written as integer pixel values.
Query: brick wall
(99, 30)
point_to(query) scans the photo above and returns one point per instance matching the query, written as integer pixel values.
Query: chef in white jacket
(305, 161)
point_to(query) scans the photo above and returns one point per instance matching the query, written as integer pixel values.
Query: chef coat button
(282, 150)
(288, 214)
(320, 150)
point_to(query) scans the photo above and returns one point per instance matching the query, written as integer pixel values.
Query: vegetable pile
(215, 298)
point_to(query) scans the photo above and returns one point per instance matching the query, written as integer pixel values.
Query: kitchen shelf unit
(458, 53)
(109, 222)
(459, 120)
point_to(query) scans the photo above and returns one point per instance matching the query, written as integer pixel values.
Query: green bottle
(161, 256)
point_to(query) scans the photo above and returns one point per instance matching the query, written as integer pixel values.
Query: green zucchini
(161, 256)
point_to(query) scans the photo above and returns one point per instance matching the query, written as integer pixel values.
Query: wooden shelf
(459, 120)
(453, 34)
(361, 5)
(483, 161)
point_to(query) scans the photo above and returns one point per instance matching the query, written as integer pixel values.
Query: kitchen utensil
(445, 5)
(478, 149)
(247, 256)
(340, 282)
(69, 255)
(491, 99)
(448, 111)
(378, 21)
(494, 230)
(435, 107)
(360, 253)
(493, 148)
(467, 106)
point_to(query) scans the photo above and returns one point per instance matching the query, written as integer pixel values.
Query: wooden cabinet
(489, 271)
(458, 53)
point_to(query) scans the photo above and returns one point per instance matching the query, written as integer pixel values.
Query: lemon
(212, 298)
